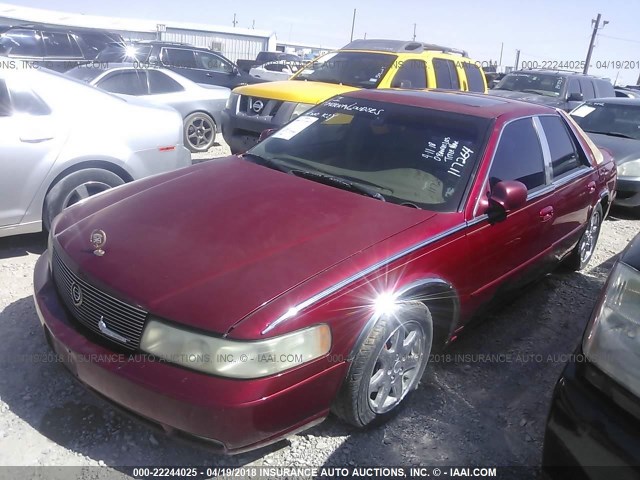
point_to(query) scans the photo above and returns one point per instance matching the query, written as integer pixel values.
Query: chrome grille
(255, 106)
(120, 318)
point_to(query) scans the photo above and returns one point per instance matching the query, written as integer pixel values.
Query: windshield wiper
(612, 134)
(267, 162)
(338, 182)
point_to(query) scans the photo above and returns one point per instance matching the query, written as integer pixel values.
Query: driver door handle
(591, 187)
(546, 214)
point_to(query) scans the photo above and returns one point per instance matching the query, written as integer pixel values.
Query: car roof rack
(400, 46)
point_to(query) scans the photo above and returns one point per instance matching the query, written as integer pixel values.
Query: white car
(274, 71)
(62, 141)
(200, 105)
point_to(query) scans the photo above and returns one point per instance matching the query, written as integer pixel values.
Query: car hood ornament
(98, 240)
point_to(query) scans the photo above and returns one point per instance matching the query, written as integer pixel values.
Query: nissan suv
(55, 48)
(360, 64)
(555, 88)
(199, 65)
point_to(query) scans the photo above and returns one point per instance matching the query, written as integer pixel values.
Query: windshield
(609, 118)
(119, 53)
(409, 155)
(356, 69)
(540, 83)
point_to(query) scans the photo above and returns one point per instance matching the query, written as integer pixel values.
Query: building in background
(305, 51)
(232, 42)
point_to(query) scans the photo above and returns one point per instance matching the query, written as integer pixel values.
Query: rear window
(475, 79)
(446, 74)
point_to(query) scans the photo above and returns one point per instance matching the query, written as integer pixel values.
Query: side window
(127, 83)
(178, 57)
(22, 43)
(573, 86)
(604, 89)
(162, 83)
(412, 74)
(564, 157)
(474, 77)
(5, 102)
(586, 85)
(519, 156)
(60, 45)
(446, 74)
(209, 61)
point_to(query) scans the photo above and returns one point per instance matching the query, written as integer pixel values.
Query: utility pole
(414, 32)
(353, 24)
(235, 22)
(253, 24)
(501, 50)
(596, 27)
(517, 59)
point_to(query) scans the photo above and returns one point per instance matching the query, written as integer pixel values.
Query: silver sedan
(200, 105)
(62, 141)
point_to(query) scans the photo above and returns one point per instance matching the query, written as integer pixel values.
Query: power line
(618, 38)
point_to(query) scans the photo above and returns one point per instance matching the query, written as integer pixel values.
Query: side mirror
(506, 196)
(267, 133)
(575, 97)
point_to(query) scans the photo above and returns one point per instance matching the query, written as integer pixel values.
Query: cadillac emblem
(76, 294)
(98, 239)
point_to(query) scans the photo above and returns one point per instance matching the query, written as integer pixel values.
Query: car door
(30, 141)
(507, 253)
(573, 181)
(215, 70)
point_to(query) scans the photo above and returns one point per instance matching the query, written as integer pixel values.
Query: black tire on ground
(199, 132)
(583, 251)
(75, 187)
(380, 364)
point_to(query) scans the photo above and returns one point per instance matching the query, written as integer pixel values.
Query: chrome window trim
(546, 150)
(357, 276)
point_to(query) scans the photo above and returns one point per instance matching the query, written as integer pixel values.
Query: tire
(583, 251)
(199, 132)
(360, 402)
(75, 187)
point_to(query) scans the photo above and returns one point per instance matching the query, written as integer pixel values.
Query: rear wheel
(199, 132)
(388, 365)
(75, 187)
(583, 251)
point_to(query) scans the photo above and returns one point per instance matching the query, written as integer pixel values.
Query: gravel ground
(467, 411)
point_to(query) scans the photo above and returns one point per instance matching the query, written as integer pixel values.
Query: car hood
(213, 243)
(623, 149)
(527, 97)
(301, 91)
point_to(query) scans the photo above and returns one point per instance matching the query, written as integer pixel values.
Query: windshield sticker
(450, 152)
(295, 127)
(354, 107)
(582, 111)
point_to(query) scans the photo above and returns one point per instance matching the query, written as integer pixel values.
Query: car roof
(563, 73)
(400, 46)
(476, 104)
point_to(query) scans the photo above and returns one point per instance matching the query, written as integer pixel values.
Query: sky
(543, 30)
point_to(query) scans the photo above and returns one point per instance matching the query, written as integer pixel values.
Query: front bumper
(589, 434)
(231, 415)
(628, 192)
(242, 132)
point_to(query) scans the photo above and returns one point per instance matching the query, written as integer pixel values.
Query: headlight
(233, 358)
(613, 338)
(231, 101)
(300, 109)
(629, 169)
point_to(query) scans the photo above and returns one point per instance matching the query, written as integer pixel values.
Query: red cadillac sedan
(244, 299)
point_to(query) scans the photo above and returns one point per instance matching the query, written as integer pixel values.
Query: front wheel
(583, 251)
(388, 365)
(75, 187)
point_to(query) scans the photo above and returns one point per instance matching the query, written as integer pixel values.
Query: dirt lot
(468, 410)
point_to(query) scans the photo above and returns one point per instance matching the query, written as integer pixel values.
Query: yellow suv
(254, 108)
